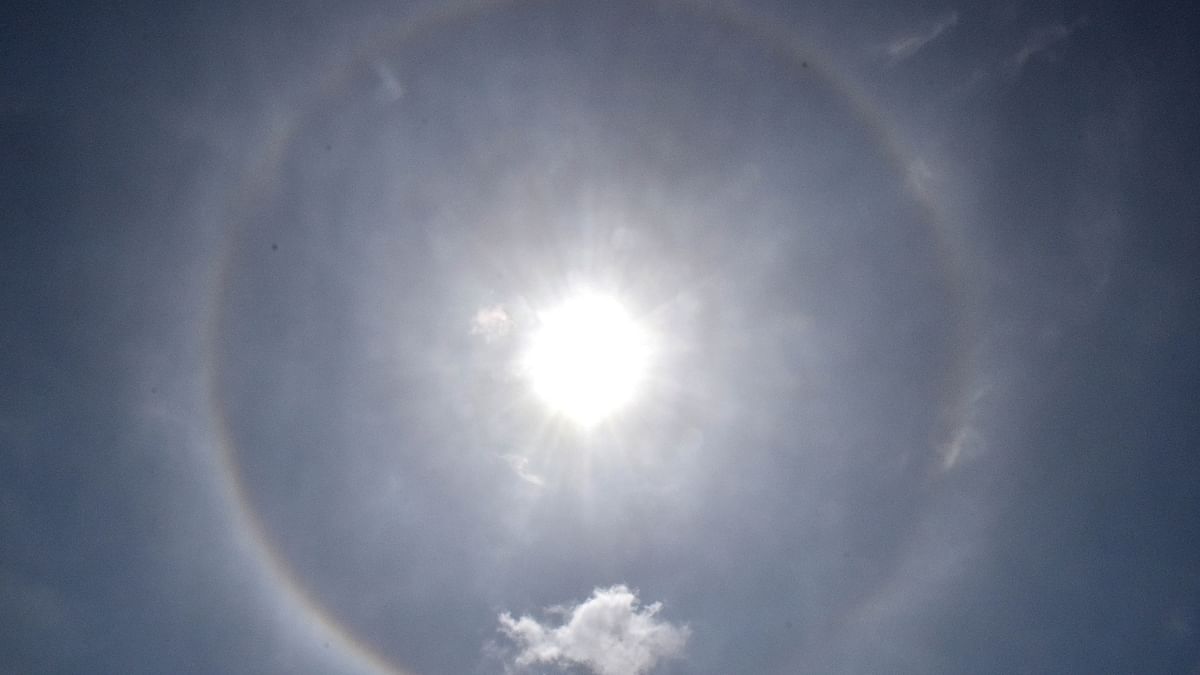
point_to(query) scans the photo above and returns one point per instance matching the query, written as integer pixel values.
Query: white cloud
(609, 633)
(903, 47)
(491, 322)
(520, 465)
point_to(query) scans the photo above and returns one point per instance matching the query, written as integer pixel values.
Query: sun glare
(587, 358)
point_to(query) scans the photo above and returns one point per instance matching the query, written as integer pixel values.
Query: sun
(587, 358)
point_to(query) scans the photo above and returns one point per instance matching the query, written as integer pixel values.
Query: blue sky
(916, 285)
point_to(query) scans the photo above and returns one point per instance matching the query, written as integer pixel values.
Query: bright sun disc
(587, 358)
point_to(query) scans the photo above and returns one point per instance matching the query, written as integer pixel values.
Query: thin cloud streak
(905, 47)
(1038, 41)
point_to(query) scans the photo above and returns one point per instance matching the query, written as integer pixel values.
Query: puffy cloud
(609, 633)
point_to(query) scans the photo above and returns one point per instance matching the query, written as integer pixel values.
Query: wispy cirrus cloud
(1039, 41)
(610, 633)
(390, 87)
(905, 46)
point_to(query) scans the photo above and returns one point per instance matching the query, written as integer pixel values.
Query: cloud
(491, 322)
(608, 633)
(1037, 42)
(390, 88)
(965, 444)
(903, 47)
(520, 465)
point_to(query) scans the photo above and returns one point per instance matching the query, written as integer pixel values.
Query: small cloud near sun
(492, 323)
(610, 633)
(520, 466)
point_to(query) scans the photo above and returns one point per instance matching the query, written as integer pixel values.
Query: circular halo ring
(260, 178)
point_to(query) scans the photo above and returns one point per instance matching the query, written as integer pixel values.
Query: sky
(915, 283)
